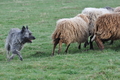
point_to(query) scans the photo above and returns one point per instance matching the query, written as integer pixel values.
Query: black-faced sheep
(109, 8)
(93, 14)
(70, 30)
(107, 28)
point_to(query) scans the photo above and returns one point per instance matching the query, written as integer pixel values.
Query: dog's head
(26, 35)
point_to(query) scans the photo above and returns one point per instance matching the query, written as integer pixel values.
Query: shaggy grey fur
(16, 40)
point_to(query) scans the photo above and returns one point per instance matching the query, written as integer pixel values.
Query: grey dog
(16, 40)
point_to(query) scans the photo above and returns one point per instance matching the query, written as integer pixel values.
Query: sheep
(70, 30)
(107, 28)
(93, 14)
(117, 9)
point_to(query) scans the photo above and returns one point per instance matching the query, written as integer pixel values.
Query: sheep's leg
(86, 43)
(67, 48)
(79, 47)
(60, 45)
(55, 44)
(91, 43)
(111, 42)
(99, 43)
(103, 41)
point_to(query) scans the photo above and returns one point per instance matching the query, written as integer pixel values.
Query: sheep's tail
(93, 37)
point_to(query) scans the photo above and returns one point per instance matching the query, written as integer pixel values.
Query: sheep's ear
(23, 29)
(26, 27)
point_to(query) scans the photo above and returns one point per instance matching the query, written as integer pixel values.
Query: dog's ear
(23, 29)
(26, 27)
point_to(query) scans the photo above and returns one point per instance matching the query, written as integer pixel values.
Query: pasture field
(37, 64)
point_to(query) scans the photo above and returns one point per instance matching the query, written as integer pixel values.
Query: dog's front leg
(18, 53)
(20, 56)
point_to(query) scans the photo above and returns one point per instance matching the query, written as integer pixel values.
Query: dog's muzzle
(29, 40)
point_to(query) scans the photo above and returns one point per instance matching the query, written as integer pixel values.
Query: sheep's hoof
(79, 47)
(91, 48)
(65, 51)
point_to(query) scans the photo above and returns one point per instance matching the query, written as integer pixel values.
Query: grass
(41, 17)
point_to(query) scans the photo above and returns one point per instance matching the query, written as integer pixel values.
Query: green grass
(41, 17)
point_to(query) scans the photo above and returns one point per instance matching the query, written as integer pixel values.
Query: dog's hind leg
(8, 51)
(11, 57)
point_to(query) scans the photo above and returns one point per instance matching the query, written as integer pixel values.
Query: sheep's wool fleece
(108, 26)
(71, 30)
(93, 14)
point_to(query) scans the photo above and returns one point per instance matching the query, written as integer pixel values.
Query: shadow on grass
(73, 49)
(39, 54)
(115, 46)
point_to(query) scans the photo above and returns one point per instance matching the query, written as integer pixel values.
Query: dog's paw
(21, 59)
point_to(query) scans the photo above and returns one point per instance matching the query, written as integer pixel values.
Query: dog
(16, 40)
